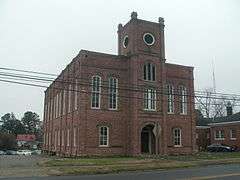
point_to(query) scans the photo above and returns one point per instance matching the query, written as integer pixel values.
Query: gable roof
(201, 121)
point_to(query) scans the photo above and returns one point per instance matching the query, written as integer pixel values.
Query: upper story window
(233, 134)
(69, 98)
(219, 135)
(149, 39)
(113, 93)
(150, 99)
(76, 95)
(103, 136)
(183, 100)
(96, 90)
(170, 94)
(149, 72)
(177, 137)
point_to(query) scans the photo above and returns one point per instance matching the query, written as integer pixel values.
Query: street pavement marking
(212, 177)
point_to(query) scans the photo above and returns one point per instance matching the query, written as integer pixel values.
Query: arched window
(177, 137)
(149, 72)
(113, 93)
(103, 136)
(96, 90)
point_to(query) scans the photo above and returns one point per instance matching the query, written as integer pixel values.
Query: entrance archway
(148, 140)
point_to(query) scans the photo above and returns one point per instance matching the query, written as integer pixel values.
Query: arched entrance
(148, 140)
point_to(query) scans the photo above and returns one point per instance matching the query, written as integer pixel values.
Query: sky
(45, 35)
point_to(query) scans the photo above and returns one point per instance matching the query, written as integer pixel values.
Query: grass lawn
(100, 165)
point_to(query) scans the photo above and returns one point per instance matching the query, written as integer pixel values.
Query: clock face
(125, 41)
(149, 39)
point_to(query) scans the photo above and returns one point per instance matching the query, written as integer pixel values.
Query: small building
(23, 139)
(132, 103)
(221, 130)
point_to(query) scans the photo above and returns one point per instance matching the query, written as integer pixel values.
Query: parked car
(24, 152)
(220, 148)
(2, 153)
(11, 152)
(36, 152)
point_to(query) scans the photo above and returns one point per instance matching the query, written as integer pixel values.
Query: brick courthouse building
(126, 104)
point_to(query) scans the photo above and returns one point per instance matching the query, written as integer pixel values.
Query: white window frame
(231, 134)
(96, 93)
(149, 72)
(55, 139)
(64, 101)
(59, 104)
(58, 132)
(69, 98)
(68, 137)
(219, 135)
(177, 139)
(76, 95)
(170, 94)
(62, 138)
(102, 137)
(150, 99)
(74, 137)
(113, 93)
(183, 100)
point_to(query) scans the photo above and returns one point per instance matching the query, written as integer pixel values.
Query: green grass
(100, 165)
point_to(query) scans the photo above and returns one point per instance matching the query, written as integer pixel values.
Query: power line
(134, 86)
(103, 94)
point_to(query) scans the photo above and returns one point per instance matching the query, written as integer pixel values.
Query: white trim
(150, 35)
(107, 145)
(222, 123)
(233, 138)
(99, 100)
(126, 36)
(180, 137)
(219, 138)
(113, 78)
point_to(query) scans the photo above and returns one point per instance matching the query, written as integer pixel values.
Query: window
(68, 137)
(170, 92)
(64, 101)
(75, 137)
(62, 137)
(60, 104)
(183, 100)
(103, 136)
(113, 92)
(149, 39)
(58, 133)
(96, 90)
(219, 135)
(76, 95)
(149, 72)
(233, 135)
(69, 98)
(177, 137)
(150, 99)
(55, 139)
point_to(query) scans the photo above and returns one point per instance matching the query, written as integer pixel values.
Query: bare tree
(213, 105)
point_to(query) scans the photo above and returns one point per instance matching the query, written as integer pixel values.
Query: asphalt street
(226, 172)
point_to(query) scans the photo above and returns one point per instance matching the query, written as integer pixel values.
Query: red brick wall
(227, 140)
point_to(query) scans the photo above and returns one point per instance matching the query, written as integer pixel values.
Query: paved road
(225, 172)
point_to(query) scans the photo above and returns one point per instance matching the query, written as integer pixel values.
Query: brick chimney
(229, 109)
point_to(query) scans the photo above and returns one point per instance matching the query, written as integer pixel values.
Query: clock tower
(141, 37)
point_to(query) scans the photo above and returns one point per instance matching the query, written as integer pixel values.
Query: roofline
(223, 123)
(202, 127)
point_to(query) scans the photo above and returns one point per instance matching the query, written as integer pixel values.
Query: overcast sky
(44, 35)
